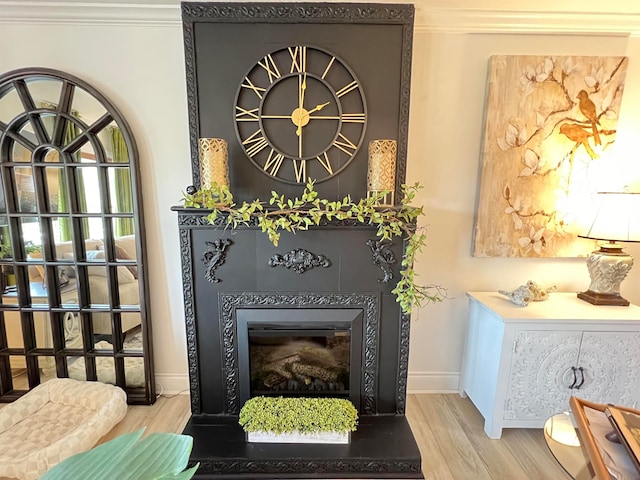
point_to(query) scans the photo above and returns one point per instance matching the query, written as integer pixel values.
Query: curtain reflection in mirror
(64, 228)
(123, 194)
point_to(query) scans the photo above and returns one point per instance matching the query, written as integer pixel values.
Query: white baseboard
(171, 383)
(418, 382)
(433, 382)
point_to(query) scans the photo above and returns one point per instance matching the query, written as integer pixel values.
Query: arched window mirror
(73, 279)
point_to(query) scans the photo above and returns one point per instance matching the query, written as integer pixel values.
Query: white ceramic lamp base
(608, 267)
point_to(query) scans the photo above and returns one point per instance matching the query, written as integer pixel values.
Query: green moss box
(298, 420)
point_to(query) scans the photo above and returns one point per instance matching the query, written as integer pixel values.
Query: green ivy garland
(293, 215)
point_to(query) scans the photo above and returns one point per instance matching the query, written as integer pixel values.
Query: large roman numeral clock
(300, 113)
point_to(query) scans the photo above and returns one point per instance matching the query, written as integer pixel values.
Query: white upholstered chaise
(55, 420)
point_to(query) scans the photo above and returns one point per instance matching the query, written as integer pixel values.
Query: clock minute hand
(303, 88)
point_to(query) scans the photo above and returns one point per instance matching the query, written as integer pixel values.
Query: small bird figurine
(578, 134)
(588, 109)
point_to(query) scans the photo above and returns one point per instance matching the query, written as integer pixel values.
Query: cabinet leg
(493, 431)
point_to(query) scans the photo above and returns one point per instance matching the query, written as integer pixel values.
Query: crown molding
(428, 18)
(86, 13)
(473, 20)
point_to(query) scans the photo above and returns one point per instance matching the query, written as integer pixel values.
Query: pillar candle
(214, 166)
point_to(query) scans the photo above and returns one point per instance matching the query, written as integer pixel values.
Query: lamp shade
(615, 217)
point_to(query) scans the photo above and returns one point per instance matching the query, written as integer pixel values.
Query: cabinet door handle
(582, 378)
(575, 378)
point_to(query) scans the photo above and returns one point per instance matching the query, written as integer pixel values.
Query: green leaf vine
(300, 213)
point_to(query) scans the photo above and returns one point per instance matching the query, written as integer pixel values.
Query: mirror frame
(56, 310)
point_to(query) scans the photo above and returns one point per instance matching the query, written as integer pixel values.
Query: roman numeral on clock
(255, 143)
(249, 84)
(273, 163)
(243, 115)
(352, 117)
(300, 167)
(270, 66)
(344, 144)
(324, 161)
(347, 88)
(326, 70)
(298, 58)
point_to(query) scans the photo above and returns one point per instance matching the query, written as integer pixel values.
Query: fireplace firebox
(300, 352)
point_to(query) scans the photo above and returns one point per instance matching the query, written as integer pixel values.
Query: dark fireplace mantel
(227, 273)
(246, 279)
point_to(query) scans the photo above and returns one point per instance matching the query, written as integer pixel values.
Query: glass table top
(563, 442)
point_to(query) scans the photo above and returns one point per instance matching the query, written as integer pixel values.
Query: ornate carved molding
(214, 257)
(298, 12)
(369, 303)
(382, 257)
(189, 219)
(198, 217)
(403, 363)
(192, 99)
(403, 126)
(299, 260)
(293, 466)
(190, 319)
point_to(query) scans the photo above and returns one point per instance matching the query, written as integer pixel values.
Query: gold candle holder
(381, 174)
(214, 165)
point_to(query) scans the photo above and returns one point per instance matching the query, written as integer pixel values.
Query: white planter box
(297, 437)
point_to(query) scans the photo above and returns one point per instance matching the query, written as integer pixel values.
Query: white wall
(134, 55)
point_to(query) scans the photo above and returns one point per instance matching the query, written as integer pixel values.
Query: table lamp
(615, 218)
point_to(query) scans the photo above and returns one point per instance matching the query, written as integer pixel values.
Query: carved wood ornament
(214, 257)
(299, 260)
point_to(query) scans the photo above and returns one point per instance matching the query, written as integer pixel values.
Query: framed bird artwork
(550, 123)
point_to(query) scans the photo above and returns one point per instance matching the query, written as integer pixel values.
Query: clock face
(300, 113)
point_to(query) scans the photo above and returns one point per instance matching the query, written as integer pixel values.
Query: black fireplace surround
(346, 294)
(325, 291)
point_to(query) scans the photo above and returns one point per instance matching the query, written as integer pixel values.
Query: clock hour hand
(318, 108)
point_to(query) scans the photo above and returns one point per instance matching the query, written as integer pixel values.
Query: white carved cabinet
(521, 364)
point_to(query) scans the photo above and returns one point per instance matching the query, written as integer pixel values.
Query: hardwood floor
(448, 429)
(449, 432)
(168, 414)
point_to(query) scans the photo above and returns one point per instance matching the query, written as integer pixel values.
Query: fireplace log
(314, 371)
(303, 378)
(318, 356)
(273, 379)
(280, 366)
